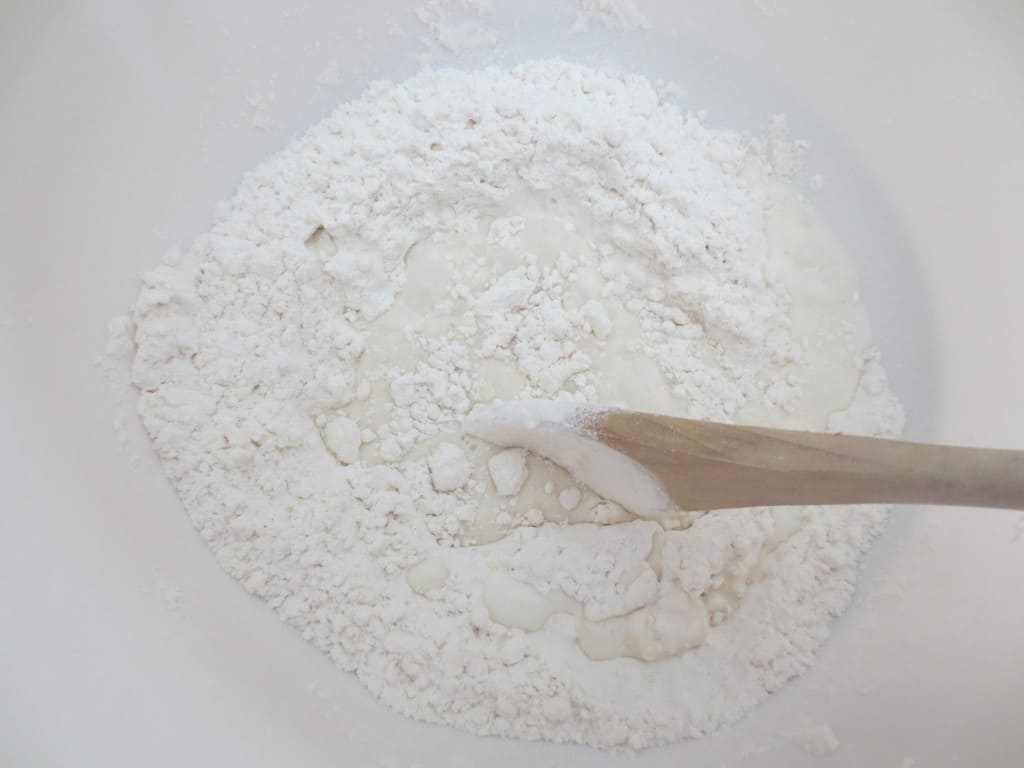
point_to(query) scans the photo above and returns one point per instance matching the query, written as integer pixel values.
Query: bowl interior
(126, 124)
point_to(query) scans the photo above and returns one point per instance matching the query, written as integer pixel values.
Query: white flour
(549, 232)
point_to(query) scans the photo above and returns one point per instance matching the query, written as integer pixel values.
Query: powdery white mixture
(461, 238)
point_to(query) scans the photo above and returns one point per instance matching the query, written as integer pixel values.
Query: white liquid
(827, 319)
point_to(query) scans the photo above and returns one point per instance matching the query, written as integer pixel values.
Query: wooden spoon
(702, 465)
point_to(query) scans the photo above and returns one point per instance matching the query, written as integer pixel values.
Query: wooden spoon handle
(705, 465)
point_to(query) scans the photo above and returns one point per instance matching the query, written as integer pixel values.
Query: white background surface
(122, 123)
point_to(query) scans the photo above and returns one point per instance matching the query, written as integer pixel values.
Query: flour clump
(463, 238)
(449, 467)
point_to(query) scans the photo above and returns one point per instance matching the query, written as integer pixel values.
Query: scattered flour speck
(616, 15)
(818, 740)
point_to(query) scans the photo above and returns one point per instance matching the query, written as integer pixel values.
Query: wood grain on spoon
(706, 465)
(699, 465)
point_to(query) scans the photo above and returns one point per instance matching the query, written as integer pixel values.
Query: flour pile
(461, 238)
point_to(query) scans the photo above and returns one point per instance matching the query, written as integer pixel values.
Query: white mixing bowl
(123, 643)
